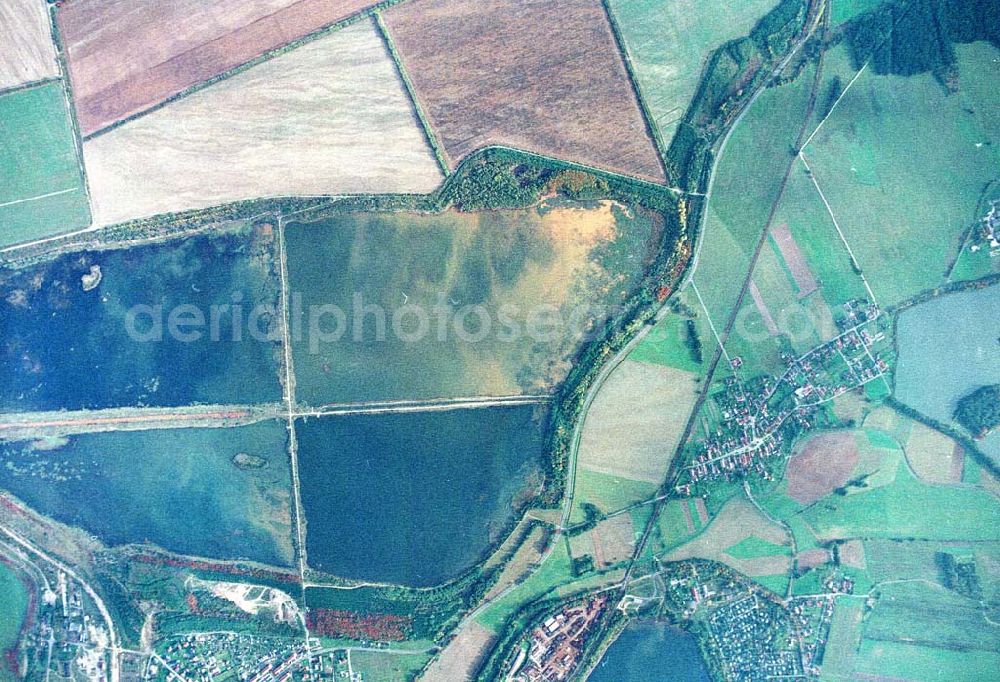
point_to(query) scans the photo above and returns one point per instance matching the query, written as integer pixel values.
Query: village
(760, 416)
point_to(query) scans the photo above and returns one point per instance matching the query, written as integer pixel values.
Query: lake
(948, 347)
(415, 498)
(65, 347)
(175, 488)
(651, 651)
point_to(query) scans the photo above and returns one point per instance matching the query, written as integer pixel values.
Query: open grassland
(898, 508)
(180, 490)
(28, 52)
(328, 117)
(607, 492)
(41, 185)
(673, 342)
(669, 41)
(613, 540)
(740, 522)
(933, 456)
(376, 666)
(636, 421)
(843, 10)
(931, 616)
(491, 303)
(845, 638)
(902, 164)
(546, 77)
(126, 56)
(14, 599)
(895, 660)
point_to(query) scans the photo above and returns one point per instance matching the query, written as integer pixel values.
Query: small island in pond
(979, 411)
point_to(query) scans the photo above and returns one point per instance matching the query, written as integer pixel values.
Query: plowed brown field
(126, 56)
(540, 75)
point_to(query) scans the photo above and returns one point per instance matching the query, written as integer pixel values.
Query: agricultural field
(125, 57)
(743, 538)
(933, 456)
(904, 227)
(458, 660)
(76, 337)
(376, 666)
(457, 304)
(634, 425)
(29, 54)
(42, 190)
(443, 485)
(669, 42)
(328, 117)
(543, 77)
(748, 177)
(124, 487)
(821, 465)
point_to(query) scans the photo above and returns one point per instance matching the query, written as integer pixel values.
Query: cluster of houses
(204, 657)
(989, 231)
(756, 413)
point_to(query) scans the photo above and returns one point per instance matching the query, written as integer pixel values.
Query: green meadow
(748, 177)
(41, 183)
(669, 41)
(902, 163)
(13, 609)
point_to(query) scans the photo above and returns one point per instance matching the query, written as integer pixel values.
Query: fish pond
(414, 498)
(185, 490)
(93, 329)
(650, 651)
(949, 347)
(409, 305)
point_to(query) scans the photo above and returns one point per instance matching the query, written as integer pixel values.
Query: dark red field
(126, 56)
(540, 75)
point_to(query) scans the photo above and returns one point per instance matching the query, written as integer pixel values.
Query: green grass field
(41, 184)
(914, 662)
(746, 185)
(13, 604)
(669, 42)
(842, 10)
(932, 616)
(907, 508)
(667, 344)
(376, 666)
(608, 493)
(902, 164)
(845, 637)
(753, 547)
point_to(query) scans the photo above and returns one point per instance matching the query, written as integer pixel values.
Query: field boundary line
(40, 196)
(411, 93)
(293, 446)
(711, 324)
(833, 107)
(647, 114)
(28, 85)
(829, 210)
